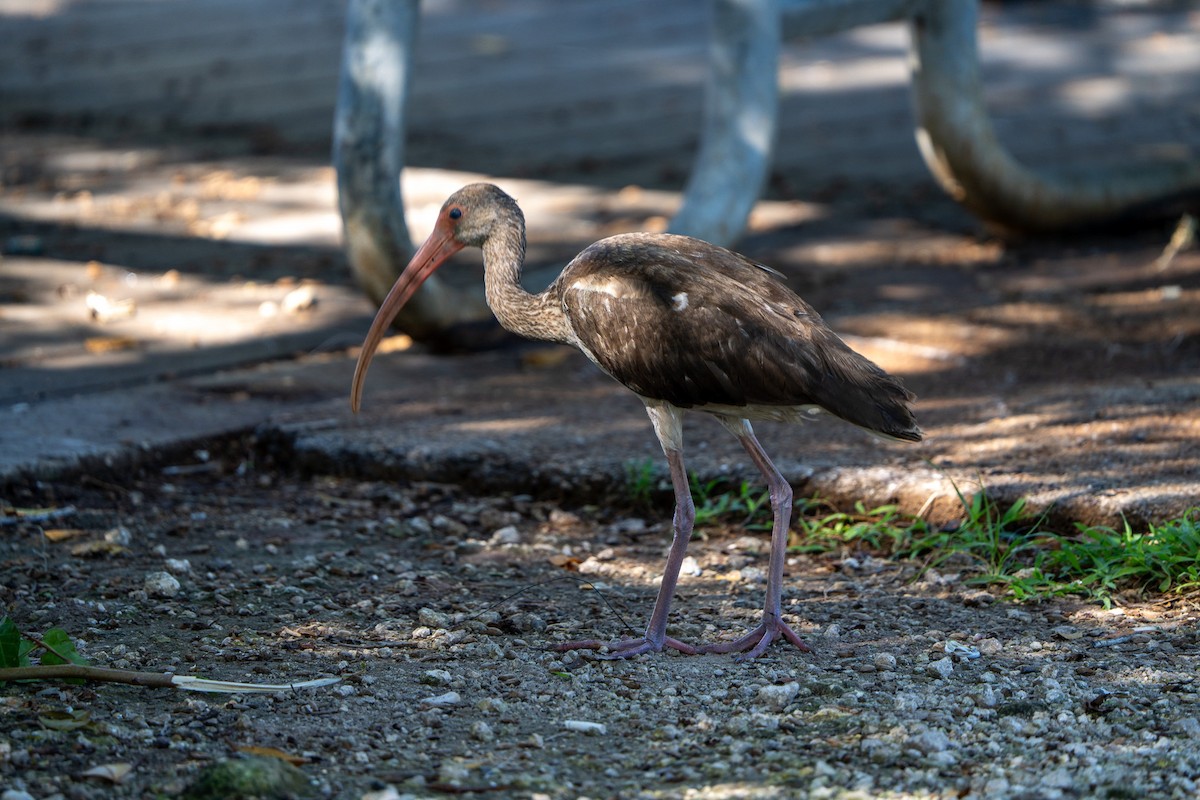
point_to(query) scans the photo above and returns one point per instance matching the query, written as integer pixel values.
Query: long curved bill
(437, 248)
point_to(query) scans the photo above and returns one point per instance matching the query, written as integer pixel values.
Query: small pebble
(580, 726)
(942, 668)
(178, 566)
(978, 599)
(931, 741)
(453, 773)
(989, 646)
(506, 535)
(119, 535)
(1068, 632)
(564, 519)
(161, 584)
(960, 650)
(1058, 779)
(778, 696)
(436, 677)
(527, 622)
(885, 662)
(433, 619)
(481, 731)
(301, 299)
(443, 700)
(492, 705)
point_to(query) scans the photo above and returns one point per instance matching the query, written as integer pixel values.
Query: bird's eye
(455, 213)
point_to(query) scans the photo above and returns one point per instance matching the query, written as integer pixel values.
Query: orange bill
(437, 248)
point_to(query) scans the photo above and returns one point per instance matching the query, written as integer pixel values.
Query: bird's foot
(627, 648)
(756, 642)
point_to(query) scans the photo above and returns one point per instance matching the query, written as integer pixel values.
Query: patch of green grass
(882, 529)
(1000, 545)
(1003, 547)
(1012, 549)
(641, 481)
(1100, 561)
(719, 501)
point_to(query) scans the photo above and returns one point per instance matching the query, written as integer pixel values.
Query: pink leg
(772, 627)
(656, 632)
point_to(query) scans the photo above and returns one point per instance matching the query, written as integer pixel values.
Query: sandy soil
(1060, 371)
(438, 610)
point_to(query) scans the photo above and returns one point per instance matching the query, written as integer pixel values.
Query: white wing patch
(610, 286)
(680, 301)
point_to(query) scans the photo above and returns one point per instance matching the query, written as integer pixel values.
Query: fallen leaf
(271, 752)
(297, 300)
(545, 357)
(113, 773)
(333, 500)
(109, 344)
(394, 344)
(101, 309)
(65, 720)
(97, 548)
(34, 514)
(63, 534)
(565, 562)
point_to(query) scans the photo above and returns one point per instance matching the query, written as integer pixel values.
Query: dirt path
(437, 609)
(1062, 372)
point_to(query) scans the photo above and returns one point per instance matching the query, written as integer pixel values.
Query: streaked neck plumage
(534, 316)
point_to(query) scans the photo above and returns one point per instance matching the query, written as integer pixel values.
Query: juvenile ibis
(683, 324)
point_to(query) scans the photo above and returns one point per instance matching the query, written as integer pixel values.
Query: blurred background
(605, 91)
(168, 208)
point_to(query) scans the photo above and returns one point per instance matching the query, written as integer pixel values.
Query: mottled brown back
(677, 319)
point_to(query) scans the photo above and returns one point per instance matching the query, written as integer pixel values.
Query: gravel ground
(1062, 371)
(438, 611)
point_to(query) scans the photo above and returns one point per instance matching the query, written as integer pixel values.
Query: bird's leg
(772, 627)
(666, 425)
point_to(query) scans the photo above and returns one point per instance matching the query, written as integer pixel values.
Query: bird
(686, 326)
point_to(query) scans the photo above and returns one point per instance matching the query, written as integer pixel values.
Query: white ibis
(683, 324)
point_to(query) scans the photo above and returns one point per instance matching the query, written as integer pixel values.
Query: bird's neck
(534, 316)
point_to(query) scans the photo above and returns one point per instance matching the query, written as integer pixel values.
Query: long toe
(628, 648)
(756, 642)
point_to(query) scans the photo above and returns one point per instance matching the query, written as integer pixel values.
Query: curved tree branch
(368, 154)
(741, 103)
(959, 144)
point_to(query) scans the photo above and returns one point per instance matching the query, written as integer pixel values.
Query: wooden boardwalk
(605, 91)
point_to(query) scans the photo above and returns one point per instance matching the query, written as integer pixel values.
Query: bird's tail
(860, 392)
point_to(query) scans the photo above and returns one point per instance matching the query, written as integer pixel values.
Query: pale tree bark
(368, 154)
(954, 134)
(741, 103)
(959, 144)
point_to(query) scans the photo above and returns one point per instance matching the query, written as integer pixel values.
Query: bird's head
(467, 219)
(470, 215)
